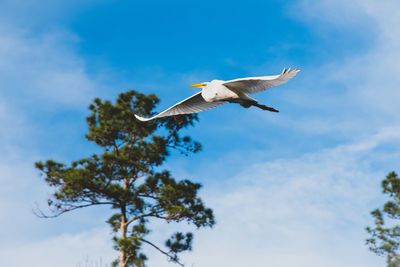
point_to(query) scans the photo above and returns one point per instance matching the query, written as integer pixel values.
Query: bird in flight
(219, 92)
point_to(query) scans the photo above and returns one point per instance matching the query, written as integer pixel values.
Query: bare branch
(148, 196)
(153, 213)
(180, 149)
(39, 213)
(131, 220)
(172, 258)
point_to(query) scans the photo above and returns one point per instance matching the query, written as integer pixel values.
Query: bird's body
(218, 92)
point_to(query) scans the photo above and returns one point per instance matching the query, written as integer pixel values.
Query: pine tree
(126, 176)
(385, 235)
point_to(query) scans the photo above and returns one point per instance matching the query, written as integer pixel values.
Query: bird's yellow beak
(198, 85)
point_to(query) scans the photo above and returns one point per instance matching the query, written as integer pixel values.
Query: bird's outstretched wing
(193, 104)
(252, 85)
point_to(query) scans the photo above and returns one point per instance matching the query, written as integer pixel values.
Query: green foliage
(385, 235)
(178, 243)
(125, 176)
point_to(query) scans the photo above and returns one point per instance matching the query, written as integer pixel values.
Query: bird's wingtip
(288, 71)
(141, 118)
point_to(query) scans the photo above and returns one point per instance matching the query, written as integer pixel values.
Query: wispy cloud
(87, 249)
(41, 77)
(44, 69)
(348, 96)
(310, 209)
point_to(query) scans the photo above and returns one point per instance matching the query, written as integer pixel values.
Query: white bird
(218, 92)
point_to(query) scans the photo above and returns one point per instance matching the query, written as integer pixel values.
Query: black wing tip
(290, 71)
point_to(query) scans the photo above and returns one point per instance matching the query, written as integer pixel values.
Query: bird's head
(200, 85)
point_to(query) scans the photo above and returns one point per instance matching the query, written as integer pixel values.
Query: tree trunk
(123, 228)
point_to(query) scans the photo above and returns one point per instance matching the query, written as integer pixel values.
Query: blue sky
(293, 187)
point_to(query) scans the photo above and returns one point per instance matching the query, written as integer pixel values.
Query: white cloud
(330, 13)
(87, 249)
(309, 210)
(44, 70)
(382, 15)
(369, 75)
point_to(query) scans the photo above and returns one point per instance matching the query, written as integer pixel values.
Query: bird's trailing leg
(246, 103)
(264, 107)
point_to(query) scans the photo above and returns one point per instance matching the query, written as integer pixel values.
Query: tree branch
(174, 259)
(148, 196)
(127, 258)
(39, 213)
(181, 149)
(131, 220)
